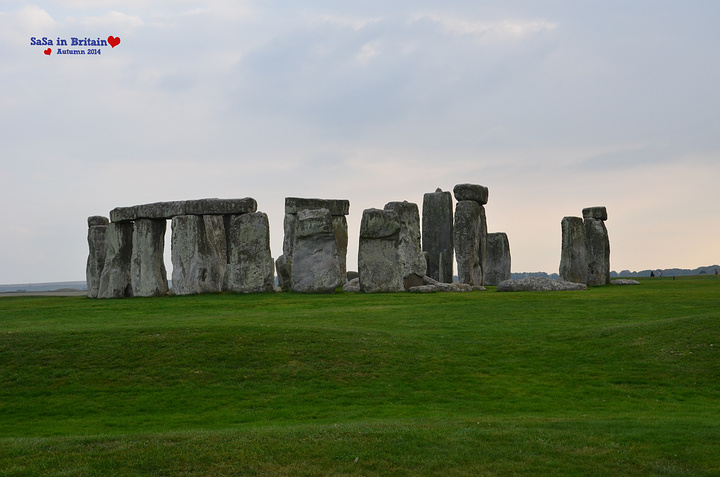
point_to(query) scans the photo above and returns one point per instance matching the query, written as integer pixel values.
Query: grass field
(612, 381)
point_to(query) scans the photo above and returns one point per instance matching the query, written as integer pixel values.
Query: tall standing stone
(315, 264)
(573, 256)
(498, 259)
(468, 234)
(199, 254)
(437, 234)
(115, 278)
(97, 231)
(412, 259)
(597, 245)
(379, 262)
(250, 264)
(147, 268)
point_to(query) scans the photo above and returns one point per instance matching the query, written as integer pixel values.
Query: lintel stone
(597, 213)
(474, 192)
(220, 206)
(293, 205)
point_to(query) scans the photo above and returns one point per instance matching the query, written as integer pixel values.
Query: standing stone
(412, 259)
(597, 245)
(315, 264)
(340, 230)
(468, 235)
(115, 277)
(573, 257)
(250, 264)
(437, 234)
(97, 231)
(199, 254)
(379, 263)
(498, 259)
(147, 268)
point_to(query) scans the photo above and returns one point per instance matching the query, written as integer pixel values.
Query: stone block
(498, 259)
(474, 192)
(97, 220)
(220, 206)
(379, 224)
(96, 257)
(379, 264)
(293, 205)
(115, 278)
(410, 252)
(315, 265)
(469, 233)
(123, 214)
(597, 213)
(250, 264)
(148, 275)
(597, 245)
(160, 210)
(437, 234)
(199, 254)
(573, 255)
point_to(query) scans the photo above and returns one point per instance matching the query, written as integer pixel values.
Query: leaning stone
(147, 269)
(378, 261)
(199, 254)
(410, 252)
(250, 264)
(468, 239)
(625, 281)
(597, 213)
(539, 284)
(97, 220)
(351, 275)
(96, 256)
(160, 210)
(573, 255)
(498, 259)
(123, 214)
(474, 192)
(220, 206)
(430, 281)
(597, 245)
(293, 205)
(283, 269)
(423, 289)
(115, 277)
(352, 285)
(437, 234)
(315, 264)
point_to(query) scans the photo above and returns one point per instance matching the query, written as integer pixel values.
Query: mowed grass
(612, 381)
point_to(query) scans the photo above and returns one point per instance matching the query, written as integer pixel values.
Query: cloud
(487, 32)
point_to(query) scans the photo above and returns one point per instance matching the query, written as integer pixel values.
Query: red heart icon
(48, 51)
(114, 41)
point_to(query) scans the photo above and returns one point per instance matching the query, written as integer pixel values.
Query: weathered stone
(289, 229)
(352, 275)
(115, 277)
(199, 254)
(597, 213)
(283, 269)
(470, 239)
(597, 245)
(539, 284)
(250, 264)
(148, 276)
(352, 285)
(474, 192)
(160, 210)
(315, 264)
(498, 259)
(340, 230)
(378, 260)
(293, 205)
(95, 220)
(625, 281)
(423, 289)
(96, 256)
(478, 288)
(220, 206)
(410, 252)
(573, 256)
(437, 234)
(123, 214)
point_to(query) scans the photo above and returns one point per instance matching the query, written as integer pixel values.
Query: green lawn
(612, 381)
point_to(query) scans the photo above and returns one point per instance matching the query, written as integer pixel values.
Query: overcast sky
(553, 105)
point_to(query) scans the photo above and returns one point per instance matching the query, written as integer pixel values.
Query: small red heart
(48, 51)
(114, 41)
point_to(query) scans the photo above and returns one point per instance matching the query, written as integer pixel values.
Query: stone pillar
(597, 245)
(498, 259)
(412, 259)
(199, 254)
(115, 277)
(470, 232)
(315, 264)
(437, 235)
(97, 231)
(379, 262)
(573, 257)
(250, 264)
(147, 268)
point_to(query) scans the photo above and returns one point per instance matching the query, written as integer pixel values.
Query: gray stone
(474, 192)
(470, 240)
(625, 281)
(220, 206)
(498, 268)
(148, 276)
(573, 255)
(315, 264)
(293, 205)
(437, 234)
(597, 245)
(283, 269)
(160, 210)
(423, 289)
(250, 264)
(378, 260)
(410, 252)
(539, 284)
(597, 213)
(340, 230)
(96, 256)
(352, 285)
(123, 214)
(96, 220)
(199, 254)
(352, 275)
(477, 288)
(115, 277)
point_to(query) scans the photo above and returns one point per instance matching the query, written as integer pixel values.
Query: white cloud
(488, 32)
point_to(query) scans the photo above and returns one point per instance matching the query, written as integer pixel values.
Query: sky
(553, 105)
